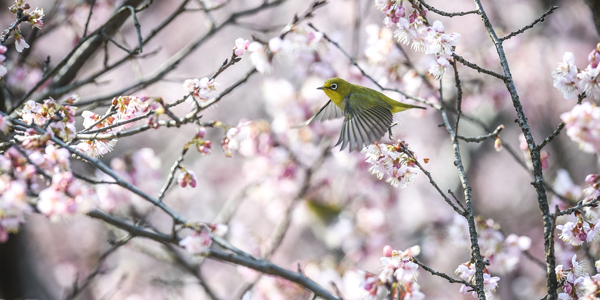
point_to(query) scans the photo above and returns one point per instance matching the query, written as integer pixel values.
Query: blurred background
(341, 224)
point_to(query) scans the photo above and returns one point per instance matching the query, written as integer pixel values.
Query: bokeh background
(363, 214)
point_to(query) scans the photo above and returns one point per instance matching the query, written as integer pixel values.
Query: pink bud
(201, 132)
(387, 251)
(592, 179)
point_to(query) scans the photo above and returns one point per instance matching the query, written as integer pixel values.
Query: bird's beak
(322, 87)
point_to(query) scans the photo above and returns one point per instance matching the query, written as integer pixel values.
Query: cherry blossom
(388, 160)
(583, 126)
(466, 271)
(565, 76)
(236, 136)
(241, 45)
(187, 179)
(259, 57)
(203, 89)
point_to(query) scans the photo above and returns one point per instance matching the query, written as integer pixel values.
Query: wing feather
(366, 121)
(328, 112)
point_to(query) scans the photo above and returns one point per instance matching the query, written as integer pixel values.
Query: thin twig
(171, 176)
(478, 139)
(447, 14)
(476, 67)
(577, 207)
(89, 18)
(560, 127)
(540, 19)
(433, 183)
(79, 287)
(469, 214)
(535, 259)
(440, 274)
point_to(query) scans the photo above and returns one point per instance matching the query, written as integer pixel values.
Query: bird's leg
(390, 129)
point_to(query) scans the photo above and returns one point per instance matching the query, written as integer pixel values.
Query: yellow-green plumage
(367, 113)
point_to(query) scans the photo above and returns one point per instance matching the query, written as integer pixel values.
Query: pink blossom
(490, 284)
(259, 58)
(405, 32)
(204, 89)
(36, 16)
(387, 251)
(196, 244)
(236, 136)
(589, 82)
(387, 160)
(371, 284)
(440, 43)
(583, 126)
(20, 43)
(564, 76)
(241, 45)
(275, 44)
(186, 178)
(594, 57)
(438, 67)
(59, 157)
(96, 148)
(579, 232)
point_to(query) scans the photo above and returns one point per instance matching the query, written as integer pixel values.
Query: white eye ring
(334, 86)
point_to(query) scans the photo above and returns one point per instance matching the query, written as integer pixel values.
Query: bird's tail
(399, 106)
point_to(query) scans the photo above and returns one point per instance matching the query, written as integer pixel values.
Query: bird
(367, 113)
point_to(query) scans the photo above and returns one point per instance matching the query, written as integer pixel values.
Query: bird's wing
(366, 121)
(327, 112)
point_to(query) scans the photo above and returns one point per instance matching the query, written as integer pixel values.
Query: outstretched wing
(327, 112)
(366, 121)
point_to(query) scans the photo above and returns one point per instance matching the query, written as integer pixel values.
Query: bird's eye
(334, 86)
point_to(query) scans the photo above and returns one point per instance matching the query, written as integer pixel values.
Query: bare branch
(447, 14)
(538, 20)
(551, 281)
(476, 67)
(440, 274)
(478, 139)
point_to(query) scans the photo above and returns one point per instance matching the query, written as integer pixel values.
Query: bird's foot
(390, 129)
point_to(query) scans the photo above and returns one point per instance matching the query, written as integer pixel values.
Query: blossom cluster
(126, 108)
(198, 242)
(414, 29)
(570, 80)
(586, 227)
(576, 282)
(203, 89)
(203, 146)
(503, 253)
(19, 169)
(299, 47)
(235, 136)
(59, 115)
(398, 275)
(466, 271)
(35, 17)
(583, 126)
(391, 161)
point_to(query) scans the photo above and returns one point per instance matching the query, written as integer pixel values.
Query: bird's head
(336, 89)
